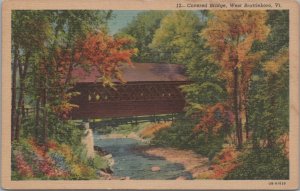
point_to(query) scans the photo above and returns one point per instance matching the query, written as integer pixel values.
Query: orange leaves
(273, 65)
(216, 117)
(231, 35)
(244, 47)
(24, 169)
(99, 51)
(64, 108)
(107, 54)
(35, 161)
(223, 163)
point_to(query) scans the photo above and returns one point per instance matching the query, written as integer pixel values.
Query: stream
(130, 162)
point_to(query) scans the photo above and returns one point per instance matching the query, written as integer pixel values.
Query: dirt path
(192, 162)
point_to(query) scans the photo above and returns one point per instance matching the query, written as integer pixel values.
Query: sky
(120, 20)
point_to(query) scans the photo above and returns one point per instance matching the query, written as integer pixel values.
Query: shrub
(98, 163)
(262, 164)
(181, 135)
(223, 163)
(151, 129)
(59, 161)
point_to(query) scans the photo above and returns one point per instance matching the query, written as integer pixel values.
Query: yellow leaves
(69, 95)
(198, 107)
(150, 130)
(244, 47)
(235, 29)
(66, 151)
(64, 108)
(273, 66)
(230, 35)
(218, 126)
(76, 170)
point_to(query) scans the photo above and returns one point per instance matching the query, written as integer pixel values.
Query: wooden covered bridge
(150, 89)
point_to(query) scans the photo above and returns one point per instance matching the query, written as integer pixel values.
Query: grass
(151, 129)
(128, 128)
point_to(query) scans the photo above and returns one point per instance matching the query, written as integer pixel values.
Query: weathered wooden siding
(131, 99)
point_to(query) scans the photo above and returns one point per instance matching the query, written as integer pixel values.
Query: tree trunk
(21, 108)
(14, 92)
(70, 69)
(20, 101)
(45, 113)
(270, 129)
(237, 108)
(247, 123)
(37, 117)
(19, 117)
(37, 83)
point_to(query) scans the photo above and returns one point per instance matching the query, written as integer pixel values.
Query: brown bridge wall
(128, 100)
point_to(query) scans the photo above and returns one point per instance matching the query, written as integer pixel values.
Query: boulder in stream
(104, 175)
(100, 151)
(181, 178)
(155, 168)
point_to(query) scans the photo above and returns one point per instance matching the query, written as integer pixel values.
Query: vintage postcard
(150, 94)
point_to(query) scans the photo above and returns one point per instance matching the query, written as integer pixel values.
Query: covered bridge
(150, 89)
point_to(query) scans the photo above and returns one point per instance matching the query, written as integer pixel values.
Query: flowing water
(131, 162)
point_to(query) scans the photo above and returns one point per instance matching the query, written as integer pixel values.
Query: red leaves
(106, 53)
(99, 51)
(45, 164)
(223, 163)
(23, 168)
(217, 117)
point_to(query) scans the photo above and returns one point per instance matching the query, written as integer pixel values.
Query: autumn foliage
(230, 35)
(217, 118)
(107, 54)
(150, 130)
(31, 160)
(222, 164)
(97, 51)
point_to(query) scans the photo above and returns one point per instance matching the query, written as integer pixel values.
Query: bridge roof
(137, 72)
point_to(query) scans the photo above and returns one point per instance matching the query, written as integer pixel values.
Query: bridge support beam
(88, 140)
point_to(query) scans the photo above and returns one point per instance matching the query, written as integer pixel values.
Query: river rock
(107, 170)
(109, 156)
(125, 178)
(181, 178)
(104, 175)
(100, 151)
(155, 168)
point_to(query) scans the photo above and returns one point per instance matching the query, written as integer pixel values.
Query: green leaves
(269, 92)
(44, 44)
(265, 164)
(142, 29)
(30, 29)
(176, 38)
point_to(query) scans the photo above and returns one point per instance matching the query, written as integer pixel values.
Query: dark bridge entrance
(150, 89)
